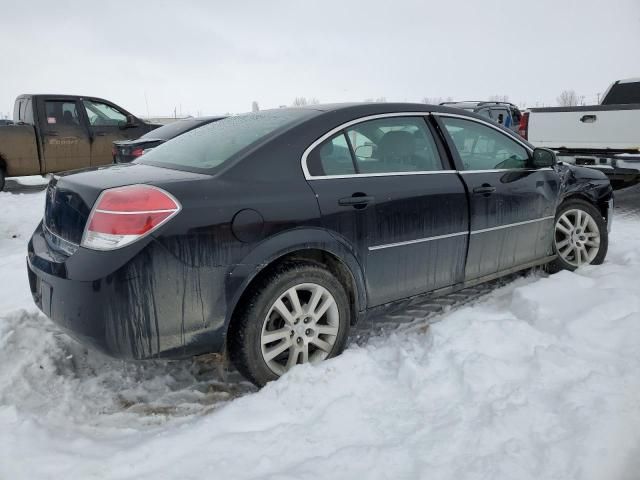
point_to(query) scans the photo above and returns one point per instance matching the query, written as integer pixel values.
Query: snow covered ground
(538, 380)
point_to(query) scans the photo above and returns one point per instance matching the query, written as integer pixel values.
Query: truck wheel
(298, 314)
(580, 236)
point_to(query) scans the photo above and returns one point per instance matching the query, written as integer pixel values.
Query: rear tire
(298, 313)
(580, 236)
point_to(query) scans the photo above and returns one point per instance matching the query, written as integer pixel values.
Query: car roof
(373, 108)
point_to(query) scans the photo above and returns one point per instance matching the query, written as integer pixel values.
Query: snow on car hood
(539, 379)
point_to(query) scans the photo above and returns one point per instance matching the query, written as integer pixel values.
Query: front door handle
(356, 201)
(485, 189)
(100, 134)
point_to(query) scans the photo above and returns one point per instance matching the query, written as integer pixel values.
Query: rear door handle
(588, 118)
(100, 134)
(484, 190)
(51, 134)
(355, 201)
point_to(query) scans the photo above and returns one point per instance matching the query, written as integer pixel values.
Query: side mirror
(543, 157)
(364, 151)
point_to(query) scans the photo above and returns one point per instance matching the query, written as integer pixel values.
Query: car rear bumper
(151, 306)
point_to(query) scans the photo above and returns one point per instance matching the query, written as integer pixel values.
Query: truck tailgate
(612, 127)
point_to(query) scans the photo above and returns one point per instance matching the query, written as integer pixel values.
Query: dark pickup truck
(54, 133)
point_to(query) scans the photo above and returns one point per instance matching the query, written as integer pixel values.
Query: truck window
(103, 115)
(623, 93)
(60, 112)
(28, 113)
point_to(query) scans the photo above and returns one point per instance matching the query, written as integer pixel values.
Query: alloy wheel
(577, 237)
(301, 326)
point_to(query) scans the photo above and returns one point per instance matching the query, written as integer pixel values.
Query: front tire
(580, 236)
(299, 313)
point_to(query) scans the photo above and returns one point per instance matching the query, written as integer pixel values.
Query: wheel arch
(600, 203)
(310, 245)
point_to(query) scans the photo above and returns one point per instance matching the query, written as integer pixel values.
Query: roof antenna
(146, 100)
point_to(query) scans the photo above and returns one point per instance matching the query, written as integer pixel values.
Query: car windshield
(207, 148)
(178, 127)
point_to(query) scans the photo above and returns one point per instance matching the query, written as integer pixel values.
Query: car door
(64, 139)
(512, 204)
(106, 125)
(382, 185)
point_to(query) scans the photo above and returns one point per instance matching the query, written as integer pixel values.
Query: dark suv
(504, 113)
(266, 236)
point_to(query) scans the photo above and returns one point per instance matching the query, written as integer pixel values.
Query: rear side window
(394, 145)
(331, 157)
(383, 146)
(59, 112)
(207, 148)
(623, 93)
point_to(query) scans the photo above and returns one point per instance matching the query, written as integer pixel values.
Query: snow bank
(540, 379)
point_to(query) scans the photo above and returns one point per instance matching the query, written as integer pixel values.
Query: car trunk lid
(71, 196)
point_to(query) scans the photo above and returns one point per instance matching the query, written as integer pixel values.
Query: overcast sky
(218, 56)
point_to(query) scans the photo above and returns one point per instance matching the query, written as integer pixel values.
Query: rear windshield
(177, 128)
(207, 148)
(623, 93)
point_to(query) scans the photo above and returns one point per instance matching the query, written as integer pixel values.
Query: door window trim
(344, 126)
(333, 131)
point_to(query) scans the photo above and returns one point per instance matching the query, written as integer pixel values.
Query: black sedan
(125, 151)
(266, 236)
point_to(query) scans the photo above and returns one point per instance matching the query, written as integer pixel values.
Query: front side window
(484, 148)
(394, 145)
(59, 112)
(103, 115)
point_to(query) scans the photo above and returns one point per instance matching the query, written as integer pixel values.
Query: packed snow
(538, 380)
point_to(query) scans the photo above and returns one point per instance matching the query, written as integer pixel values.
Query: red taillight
(523, 128)
(136, 152)
(123, 215)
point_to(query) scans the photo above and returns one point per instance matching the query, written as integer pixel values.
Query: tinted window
(61, 113)
(393, 145)
(332, 157)
(484, 148)
(623, 93)
(103, 115)
(175, 128)
(208, 147)
(500, 115)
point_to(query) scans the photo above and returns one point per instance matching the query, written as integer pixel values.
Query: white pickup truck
(605, 136)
